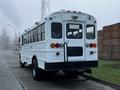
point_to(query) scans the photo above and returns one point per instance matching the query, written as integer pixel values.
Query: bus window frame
(32, 35)
(94, 32)
(67, 30)
(42, 27)
(60, 30)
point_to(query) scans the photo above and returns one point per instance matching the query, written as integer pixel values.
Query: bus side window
(39, 33)
(35, 35)
(43, 32)
(22, 41)
(31, 36)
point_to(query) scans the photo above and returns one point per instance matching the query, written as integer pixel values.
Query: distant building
(109, 42)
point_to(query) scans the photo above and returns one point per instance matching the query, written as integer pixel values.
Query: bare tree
(14, 44)
(5, 39)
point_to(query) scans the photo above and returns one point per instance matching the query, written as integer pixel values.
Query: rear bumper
(82, 65)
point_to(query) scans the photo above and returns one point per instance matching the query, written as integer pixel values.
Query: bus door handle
(65, 52)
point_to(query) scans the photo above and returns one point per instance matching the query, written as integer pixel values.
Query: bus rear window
(56, 30)
(90, 34)
(74, 31)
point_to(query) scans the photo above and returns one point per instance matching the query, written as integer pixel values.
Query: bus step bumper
(70, 65)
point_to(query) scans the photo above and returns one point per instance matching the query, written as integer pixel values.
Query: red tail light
(57, 45)
(92, 45)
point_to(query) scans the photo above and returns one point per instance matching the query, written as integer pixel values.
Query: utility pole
(45, 8)
(42, 8)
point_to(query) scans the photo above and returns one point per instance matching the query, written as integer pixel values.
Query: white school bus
(64, 41)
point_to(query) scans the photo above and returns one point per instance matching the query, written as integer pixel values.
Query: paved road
(7, 79)
(22, 78)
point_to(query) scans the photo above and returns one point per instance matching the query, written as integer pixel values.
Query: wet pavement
(8, 80)
(12, 77)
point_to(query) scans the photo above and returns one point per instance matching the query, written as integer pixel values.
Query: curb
(115, 86)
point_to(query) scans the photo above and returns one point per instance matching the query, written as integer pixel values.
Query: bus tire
(22, 65)
(35, 69)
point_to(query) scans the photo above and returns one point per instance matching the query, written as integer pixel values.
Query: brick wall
(109, 42)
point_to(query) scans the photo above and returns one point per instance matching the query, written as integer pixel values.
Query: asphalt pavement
(8, 81)
(12, 77)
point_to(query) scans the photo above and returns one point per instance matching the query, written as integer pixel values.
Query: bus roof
(71, 15)
(65, 16)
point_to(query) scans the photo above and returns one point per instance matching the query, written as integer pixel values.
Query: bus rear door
(74, 41)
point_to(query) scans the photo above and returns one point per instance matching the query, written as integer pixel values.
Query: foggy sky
(9, 10)
(106, 11)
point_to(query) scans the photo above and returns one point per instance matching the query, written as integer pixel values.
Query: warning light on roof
(74, 17)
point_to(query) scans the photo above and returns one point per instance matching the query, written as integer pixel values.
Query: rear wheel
(35, 70)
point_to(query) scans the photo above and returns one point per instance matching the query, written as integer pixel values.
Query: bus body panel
(93, 57)
(51, 54)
